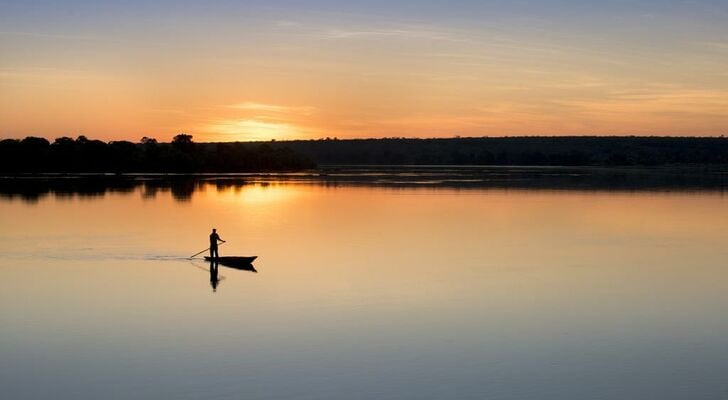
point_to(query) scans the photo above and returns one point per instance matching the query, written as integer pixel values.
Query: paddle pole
(196, 254)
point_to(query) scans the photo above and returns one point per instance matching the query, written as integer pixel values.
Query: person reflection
(213, 275)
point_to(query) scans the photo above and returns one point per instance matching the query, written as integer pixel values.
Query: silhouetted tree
(64, 141)
(182, 139)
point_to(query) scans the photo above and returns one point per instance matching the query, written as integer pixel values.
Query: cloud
(47, 35)
(721, 45)
(286, 23)
(367, 30)
(37, 76)
(401, 32)
(166, 111)
(273, 108)
(675, 101)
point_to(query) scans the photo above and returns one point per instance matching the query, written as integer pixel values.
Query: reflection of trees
(149, 192)
(222, 185)
(31, 189)
(182, 187)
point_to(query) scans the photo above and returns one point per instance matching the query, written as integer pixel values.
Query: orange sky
(247, 72)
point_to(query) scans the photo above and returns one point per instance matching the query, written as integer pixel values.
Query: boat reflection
(242, 267)
(215, 277)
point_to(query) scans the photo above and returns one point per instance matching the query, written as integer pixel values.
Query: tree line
(64, 154)
(523, 150)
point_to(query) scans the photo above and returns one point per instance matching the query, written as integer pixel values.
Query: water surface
(364, 290)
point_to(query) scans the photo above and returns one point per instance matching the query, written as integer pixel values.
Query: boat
(239, 263)
(232, 261)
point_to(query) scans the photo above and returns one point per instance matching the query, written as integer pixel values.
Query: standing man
(214, 238)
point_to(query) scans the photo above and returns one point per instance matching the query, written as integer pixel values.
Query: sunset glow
(239, 71)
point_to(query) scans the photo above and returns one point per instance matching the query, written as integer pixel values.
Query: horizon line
(456, 137)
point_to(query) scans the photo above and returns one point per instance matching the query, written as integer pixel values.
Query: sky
(263, 70)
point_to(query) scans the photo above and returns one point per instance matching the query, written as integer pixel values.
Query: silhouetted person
(214, 238)
(213, 275)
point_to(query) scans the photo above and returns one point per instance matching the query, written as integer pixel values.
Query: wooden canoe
(232, 260)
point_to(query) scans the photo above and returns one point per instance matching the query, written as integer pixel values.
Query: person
(214, 238)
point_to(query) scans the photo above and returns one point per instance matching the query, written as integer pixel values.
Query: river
(397, 286)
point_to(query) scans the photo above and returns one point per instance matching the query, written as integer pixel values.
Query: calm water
(364, 291)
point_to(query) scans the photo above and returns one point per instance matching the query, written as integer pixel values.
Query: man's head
(214, 230)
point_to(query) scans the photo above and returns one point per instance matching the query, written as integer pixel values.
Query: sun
(253, 130)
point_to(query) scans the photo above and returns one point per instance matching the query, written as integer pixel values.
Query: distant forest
(524, 150)
(65, 154)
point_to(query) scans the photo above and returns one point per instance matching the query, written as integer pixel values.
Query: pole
(196, 254)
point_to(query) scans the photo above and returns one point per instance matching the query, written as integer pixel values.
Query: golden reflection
(258, 194)
(522, 253)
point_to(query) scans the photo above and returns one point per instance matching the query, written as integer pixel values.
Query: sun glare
(252, 130)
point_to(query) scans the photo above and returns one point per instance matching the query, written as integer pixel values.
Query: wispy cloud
(166, 111)
(273, 108)
(47, 35)
(34, 75)
(714, 44)
(484, 44)
(669, 101)
(334, 29)
(286, 23)
(404, 32)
